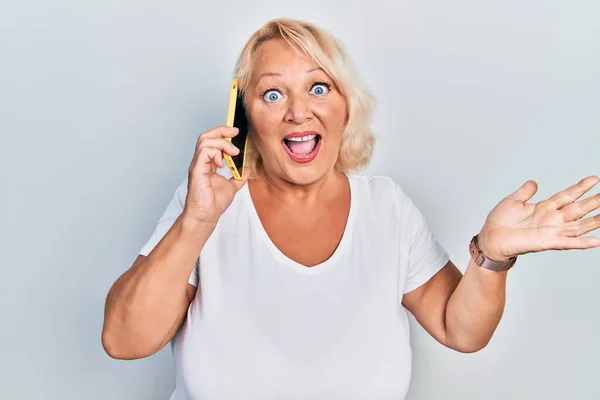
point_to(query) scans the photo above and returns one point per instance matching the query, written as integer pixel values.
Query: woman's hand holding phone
(209, 193)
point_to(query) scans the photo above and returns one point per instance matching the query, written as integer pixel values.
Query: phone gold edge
(233, 93)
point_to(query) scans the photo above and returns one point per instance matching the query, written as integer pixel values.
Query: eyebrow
(265, 74)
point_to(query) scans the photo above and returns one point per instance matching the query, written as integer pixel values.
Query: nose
(298, 110)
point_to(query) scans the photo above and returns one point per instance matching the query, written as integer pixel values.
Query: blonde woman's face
(297, 114)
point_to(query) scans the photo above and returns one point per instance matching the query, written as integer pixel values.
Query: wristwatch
(487, 263)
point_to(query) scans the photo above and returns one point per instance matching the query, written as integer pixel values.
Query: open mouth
(302, 148)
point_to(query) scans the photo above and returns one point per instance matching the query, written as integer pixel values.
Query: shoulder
(380, 190)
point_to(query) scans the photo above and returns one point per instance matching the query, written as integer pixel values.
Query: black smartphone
(237, 117)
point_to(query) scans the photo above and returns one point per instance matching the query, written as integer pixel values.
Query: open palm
(516, 227)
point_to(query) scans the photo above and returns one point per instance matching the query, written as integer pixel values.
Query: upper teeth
(302, 138)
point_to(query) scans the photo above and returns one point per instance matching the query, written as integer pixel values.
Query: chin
(305, 174)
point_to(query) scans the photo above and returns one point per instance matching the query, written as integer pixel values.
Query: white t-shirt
(265, 327)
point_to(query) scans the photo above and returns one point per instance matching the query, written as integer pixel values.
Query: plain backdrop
(101, 103)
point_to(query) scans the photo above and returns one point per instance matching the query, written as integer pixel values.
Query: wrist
(487, 248)
(195, 228)
(485, 257)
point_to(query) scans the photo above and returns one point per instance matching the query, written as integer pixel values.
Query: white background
(100, 106)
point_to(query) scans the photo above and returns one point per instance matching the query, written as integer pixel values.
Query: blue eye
(320, 89)
(271, 95)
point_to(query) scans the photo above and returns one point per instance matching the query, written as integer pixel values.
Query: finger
(205, 160)
(220, 131)
(578, 228)
(567, 243)
(217, 162)
(221, 144)
(569, 195)
(201, 153)
(574, 211)
(525, 192)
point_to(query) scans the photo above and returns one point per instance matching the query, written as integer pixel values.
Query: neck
(289, 193)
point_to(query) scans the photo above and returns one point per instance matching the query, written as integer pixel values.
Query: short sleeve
(171, 213)
(426, 256)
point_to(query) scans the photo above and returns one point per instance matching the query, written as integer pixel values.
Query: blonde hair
(329, 54)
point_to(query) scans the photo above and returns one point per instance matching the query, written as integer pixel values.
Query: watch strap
(487, 263)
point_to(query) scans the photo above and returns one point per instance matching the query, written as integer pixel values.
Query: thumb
(525, 192)
(237, 185)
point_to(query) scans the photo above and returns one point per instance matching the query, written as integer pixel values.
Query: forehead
(278, 56)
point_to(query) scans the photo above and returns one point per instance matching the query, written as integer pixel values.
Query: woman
(295, 285)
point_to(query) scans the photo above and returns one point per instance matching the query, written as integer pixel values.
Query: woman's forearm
(475, 308)
(147, 303)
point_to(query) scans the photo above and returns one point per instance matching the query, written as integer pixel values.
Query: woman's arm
(461, 312)
(148, 303)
